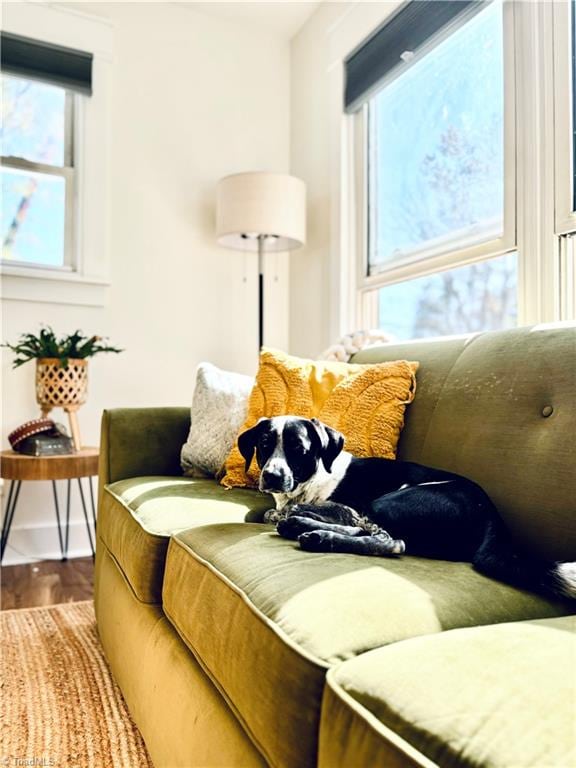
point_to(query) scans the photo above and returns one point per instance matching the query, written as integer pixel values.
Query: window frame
(439, 257)
(67, 171)
(565, 213)
(568, 277)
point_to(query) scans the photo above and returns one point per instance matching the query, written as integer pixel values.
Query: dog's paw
(290, 528)
(314, 541)
(274, 516)
(371, 528)
(399, 547)
(389, 545)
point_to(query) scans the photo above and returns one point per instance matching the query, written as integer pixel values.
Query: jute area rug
(60, 705)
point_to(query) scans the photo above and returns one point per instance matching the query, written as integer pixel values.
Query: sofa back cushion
(500, 408)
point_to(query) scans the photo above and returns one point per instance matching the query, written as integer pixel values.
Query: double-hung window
(56, 67)
(433, 97)
(37, 174)
(40, 83)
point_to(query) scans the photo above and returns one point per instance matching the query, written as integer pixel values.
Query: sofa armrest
(141, 441)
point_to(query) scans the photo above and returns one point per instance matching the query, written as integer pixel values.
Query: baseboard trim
(31, 543)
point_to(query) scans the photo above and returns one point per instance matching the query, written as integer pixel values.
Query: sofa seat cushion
(137, 516)
(266, 619)
(499, 696)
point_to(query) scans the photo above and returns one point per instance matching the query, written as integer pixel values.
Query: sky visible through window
(436, 173)
(33, 204)
(477, 297)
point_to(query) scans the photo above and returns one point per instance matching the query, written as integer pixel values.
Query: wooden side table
(17, 467)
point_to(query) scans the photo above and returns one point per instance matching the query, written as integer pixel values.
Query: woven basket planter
(61, 387)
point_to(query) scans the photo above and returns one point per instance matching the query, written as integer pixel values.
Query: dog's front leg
(324, 511)
(295, 525)
(380, 545)
(332, 512)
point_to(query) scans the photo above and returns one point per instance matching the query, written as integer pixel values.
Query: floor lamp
(261, 212)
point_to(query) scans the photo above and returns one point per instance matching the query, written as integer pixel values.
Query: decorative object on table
(41, 437)
(261, 212)
(219, 408)
(61, 369)
(61, 385)
(364, 402)
(17, 468)
(28, 429)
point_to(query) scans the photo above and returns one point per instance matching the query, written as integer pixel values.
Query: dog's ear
(331, 441)
(248, 440)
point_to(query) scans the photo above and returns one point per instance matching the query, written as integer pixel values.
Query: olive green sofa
(233, 647)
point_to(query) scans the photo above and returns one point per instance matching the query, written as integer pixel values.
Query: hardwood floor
(46, 583)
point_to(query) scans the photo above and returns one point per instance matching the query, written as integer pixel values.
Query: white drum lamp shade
(261, 212)
(257, 206)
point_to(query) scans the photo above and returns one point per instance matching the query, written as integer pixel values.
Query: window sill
(52, 287)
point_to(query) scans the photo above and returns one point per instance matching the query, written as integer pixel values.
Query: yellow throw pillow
(364, 402)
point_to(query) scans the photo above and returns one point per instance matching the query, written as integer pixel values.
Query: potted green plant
(61, 368)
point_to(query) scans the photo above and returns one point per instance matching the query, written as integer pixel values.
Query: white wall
(317, 153)
(310, 160)
(193, 98)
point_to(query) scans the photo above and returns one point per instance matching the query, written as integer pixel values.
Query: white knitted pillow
(219, 408)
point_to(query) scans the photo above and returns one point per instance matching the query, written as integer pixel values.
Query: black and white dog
(331, 501)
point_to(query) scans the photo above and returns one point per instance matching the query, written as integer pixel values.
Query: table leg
(6, 519)
(92, 502)
(57, 507)
(67, 533)
(13, 494)
(86, 515)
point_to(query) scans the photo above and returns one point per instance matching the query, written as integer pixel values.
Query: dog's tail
(497, 558)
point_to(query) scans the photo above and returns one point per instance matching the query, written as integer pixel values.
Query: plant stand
(64, 387)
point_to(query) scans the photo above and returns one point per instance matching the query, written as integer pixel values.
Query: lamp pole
(261, 239)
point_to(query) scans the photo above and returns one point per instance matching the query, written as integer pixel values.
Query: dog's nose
(272, 480)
